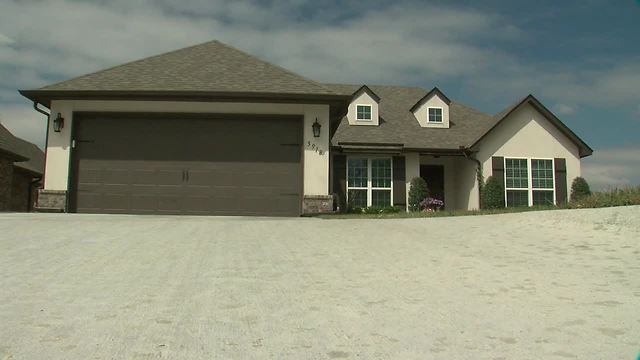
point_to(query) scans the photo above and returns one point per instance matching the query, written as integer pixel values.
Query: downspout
(468, 154)
(46, 146)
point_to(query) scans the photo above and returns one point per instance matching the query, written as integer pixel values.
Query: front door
(434, 176)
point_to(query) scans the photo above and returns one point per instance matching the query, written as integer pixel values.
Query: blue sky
(580, 58)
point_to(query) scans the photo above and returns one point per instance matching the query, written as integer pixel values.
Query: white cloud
(25, 123)
(565, 109)
(613, 167)
(5, 40)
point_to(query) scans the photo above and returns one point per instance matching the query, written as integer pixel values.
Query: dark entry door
(187, 164)
(434, 176)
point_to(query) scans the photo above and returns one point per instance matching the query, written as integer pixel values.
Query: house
(212, 130)
(21, 169)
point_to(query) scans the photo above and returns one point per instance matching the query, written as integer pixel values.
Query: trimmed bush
(418, 191)
(579, 189)
(492, 194)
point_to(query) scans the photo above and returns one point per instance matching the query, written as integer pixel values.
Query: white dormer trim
(364, 97)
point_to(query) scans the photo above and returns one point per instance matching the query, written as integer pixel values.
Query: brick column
(6, 179)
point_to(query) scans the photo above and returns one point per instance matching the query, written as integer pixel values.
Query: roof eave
(45, 97)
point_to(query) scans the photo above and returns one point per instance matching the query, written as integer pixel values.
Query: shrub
(579, 189)
(418, 191)
(615, 197)
(492, 194)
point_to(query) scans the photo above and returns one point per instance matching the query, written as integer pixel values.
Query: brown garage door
(187, 164)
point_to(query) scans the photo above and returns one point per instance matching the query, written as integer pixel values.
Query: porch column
(412, 170)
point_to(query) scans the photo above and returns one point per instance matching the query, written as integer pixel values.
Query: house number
(315, 148)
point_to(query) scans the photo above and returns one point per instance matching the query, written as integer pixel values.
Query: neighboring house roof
(583, 148)
(9, 145)
(209, 68)
(398, 125)
(26, 156)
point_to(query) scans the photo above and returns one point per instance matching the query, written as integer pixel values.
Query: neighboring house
(212, 130)
(21, 169)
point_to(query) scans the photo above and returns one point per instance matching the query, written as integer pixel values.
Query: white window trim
(529, 188)
(441, 114)
(370, 112)
(369, 187)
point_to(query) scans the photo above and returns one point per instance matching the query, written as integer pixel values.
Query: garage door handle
(184, 176)
(187, 174)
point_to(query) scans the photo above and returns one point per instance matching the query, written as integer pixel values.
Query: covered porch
(451, 178)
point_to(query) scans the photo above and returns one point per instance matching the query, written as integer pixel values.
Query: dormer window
(363, 112)
(435, 115)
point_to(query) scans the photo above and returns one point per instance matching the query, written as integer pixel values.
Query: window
(529, 182)
(435, 114)
(542, 182)
(363, 112)
(369, 182)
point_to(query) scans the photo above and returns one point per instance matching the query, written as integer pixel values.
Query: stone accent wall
(6, 178)
(20, 191)
(317, 204)
(51, 200)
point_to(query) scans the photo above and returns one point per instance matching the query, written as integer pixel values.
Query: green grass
(610, 198)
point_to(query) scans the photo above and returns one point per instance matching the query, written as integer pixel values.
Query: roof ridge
(126, 64)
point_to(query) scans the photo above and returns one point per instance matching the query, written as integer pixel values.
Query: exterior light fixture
(58, 123)
(316, 128)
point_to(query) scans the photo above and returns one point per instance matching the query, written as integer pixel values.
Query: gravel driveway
(552, 285)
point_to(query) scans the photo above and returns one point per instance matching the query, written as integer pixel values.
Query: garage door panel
(186, 165)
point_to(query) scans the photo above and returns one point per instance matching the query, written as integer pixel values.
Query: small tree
(492, 194)
(418, 191)
(579, 189)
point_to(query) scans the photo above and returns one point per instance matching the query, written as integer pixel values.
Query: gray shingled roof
(27, 155)
(398, 125)
(208, 67)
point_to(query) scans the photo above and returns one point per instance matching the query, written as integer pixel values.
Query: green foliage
(418, 191)
(492, 194)
(579, 189)
(615, 197)
(376, 210)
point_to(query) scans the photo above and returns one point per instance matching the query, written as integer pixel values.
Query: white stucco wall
(363, 99)
(412, 170)
(316, 164)
(422, 115)
(527, 133)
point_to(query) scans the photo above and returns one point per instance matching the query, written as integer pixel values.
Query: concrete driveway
(552, 285)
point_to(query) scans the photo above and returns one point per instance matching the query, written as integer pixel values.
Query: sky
(581, 58)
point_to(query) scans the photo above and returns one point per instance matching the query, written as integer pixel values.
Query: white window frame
(529, 187)
(370, 112)
(441, 115)
(369, 187)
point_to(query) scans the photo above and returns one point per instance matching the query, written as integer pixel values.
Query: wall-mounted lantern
(58, 123)
(316, 128)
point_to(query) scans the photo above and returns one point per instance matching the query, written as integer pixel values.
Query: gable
(367, 98)
(527, 132)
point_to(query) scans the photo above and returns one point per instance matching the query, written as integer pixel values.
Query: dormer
(364, 108)
(432, 111)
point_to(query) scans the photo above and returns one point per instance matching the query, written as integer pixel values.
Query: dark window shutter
(340, 181)
(399, 182)
(497, 169)
(561, 180)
